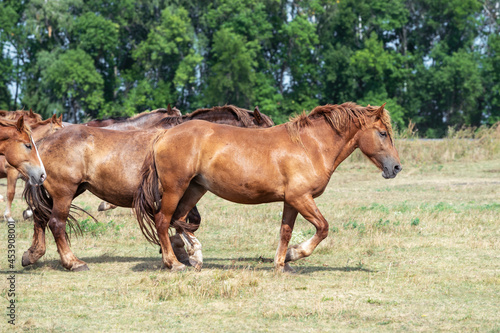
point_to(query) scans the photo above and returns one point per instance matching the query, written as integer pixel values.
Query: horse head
(375, 140)
(21, 153)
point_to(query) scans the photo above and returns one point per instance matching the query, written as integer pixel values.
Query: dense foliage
(435, 62)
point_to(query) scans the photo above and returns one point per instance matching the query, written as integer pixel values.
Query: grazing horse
(39, 130)
(292, 163)
(17, 145)
(140, 121)
(79, 158)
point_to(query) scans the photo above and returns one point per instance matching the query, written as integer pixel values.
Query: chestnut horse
(292, 163)
(17, 145)
(227, 114)
(39, 130)
(79, 158)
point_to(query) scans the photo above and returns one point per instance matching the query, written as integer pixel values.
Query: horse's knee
(323, 232)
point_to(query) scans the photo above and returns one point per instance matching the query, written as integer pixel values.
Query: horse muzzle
(390, 170)
(36, 176)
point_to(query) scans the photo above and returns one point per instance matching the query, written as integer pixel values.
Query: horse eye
(383, 134)
(27, 145)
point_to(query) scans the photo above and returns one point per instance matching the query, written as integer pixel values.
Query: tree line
(435, 62)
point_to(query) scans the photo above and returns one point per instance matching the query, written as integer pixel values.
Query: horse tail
(40, 202)
(147, 199)
(147, 203)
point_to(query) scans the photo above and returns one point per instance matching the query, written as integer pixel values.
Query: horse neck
(333, 147)
(42, 131)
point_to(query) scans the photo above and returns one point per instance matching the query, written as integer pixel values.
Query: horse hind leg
(187, 207)
(38, 247)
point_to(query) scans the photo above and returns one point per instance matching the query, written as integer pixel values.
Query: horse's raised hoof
(102, 207)
(81, 268)
(27, 214)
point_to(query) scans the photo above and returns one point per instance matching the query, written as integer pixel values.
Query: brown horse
(17, 145)
(292, 163)
(227, 114)
(39, 130)
(79, 158)
(140, 121)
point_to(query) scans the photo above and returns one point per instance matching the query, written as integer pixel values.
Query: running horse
(39, 130)
(291, 163)
(17, 145)
(105, 162)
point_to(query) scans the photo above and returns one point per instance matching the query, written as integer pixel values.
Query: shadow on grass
(155, 264)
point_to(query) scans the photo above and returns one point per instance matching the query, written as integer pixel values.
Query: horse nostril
(397, 168)
(42, 177)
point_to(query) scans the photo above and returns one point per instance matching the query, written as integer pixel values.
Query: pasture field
(418, 253)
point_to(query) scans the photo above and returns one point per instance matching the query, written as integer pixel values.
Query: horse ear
(169, 108)
(20, 124)
(60, 119)
(53, 119)
(380, 110)
(257, 115)
(31, 112)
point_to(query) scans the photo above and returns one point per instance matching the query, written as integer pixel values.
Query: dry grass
(417, 253)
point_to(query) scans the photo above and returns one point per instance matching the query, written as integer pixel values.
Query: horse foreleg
(57, 224)
(287, 224)
(308, 209)
(37, 249)
(12, 175)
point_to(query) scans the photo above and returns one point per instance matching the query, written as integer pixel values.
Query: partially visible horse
(79, 158)
(139, 121)
(291, 163)
(39, 131)
(29, 116)
(17, 145)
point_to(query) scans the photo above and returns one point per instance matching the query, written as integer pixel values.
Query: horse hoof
(27, 214)
(81, 268)
(178, 267)
(26, 261)
(285, 269)
(9, 219)
(196, 264)
(102, 207)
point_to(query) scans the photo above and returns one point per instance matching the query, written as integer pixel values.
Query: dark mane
(169, 122)
(241, 114)
(339, 117)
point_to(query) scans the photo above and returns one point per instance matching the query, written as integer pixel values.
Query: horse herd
(161, 163)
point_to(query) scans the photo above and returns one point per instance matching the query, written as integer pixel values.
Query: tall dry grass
(467, 144)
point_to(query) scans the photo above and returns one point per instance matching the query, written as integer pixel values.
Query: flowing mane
(11, 123)
(339, 117)
(14, 115)
(241, 114)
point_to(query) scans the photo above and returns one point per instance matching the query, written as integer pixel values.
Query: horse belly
(240, 190)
